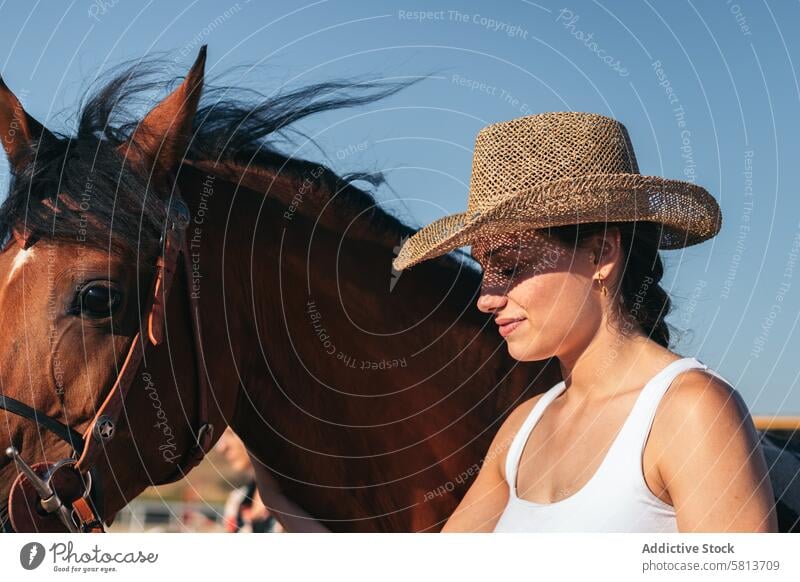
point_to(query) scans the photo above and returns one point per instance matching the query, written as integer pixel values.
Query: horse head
(93, 234)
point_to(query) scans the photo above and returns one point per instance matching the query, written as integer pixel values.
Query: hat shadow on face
(511, 258)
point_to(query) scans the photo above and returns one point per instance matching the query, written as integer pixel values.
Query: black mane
(112, 206)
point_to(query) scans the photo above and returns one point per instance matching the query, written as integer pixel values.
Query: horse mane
(242, 130)
(235, 129)
(244, 135)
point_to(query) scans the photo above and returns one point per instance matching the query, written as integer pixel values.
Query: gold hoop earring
(603, 288)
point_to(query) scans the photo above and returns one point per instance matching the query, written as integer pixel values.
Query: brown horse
(372, 398)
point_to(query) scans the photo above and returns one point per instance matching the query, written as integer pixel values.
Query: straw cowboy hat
(554, 169)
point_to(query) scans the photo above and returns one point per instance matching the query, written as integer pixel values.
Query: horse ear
(18, 130)
(159, 142)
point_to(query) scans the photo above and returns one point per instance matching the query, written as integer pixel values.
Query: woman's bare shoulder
(697, 405)
(700, 395)
(708, 457)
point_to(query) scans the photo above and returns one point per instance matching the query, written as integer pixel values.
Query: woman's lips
(507, 326)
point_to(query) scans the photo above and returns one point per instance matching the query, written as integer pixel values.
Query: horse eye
(97, 300)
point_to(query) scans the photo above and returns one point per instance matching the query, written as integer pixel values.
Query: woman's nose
(489, 302)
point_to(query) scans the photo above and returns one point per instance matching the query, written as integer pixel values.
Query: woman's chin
(525, 348)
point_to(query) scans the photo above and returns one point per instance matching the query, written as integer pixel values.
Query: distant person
(244, 511)
(261, 507)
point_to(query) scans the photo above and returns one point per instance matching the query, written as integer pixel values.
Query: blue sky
(709, 92)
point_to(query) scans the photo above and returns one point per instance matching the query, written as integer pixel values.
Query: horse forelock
(78, 190)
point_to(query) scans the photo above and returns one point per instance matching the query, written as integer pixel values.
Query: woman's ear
(605, 249)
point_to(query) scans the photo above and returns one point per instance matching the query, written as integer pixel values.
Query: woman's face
(543, 294)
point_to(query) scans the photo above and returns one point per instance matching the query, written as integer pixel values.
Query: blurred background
(219, 495)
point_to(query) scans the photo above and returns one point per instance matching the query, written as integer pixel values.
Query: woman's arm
(289, 515)
(481, 507)
(711, 462)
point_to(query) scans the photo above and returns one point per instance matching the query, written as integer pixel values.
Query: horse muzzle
(51, 497)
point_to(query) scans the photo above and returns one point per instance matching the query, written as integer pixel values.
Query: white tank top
(616, 498)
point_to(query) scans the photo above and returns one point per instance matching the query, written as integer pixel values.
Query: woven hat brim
(688, 213)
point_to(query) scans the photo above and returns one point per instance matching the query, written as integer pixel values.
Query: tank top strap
(641, 418)
(518, 443)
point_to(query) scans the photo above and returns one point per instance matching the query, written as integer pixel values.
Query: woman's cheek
(539, 295)
(554, 302)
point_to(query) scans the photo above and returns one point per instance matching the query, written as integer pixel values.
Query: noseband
(48, 497)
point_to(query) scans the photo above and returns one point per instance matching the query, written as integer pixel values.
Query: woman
(635, 438)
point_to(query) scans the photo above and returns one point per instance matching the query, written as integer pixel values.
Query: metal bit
(49, 500)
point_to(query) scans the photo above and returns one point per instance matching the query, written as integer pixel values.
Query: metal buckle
(178, 217)
(206, 432)
(85, 478)
(179, 211)
(49, 499)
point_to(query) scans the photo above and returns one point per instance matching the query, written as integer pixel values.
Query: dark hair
(93, 198)
(640, 299)
(107, 204)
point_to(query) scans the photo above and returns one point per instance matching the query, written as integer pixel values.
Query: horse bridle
(68, 493)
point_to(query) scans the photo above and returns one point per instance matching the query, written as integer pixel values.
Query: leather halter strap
(87, 510)
(101, 428)
(175, 244)
(57, 427)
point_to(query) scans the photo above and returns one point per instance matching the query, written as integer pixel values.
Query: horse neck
(219, 252)
(350, 376)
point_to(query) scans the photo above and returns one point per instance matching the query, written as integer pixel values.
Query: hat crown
(514, 156)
